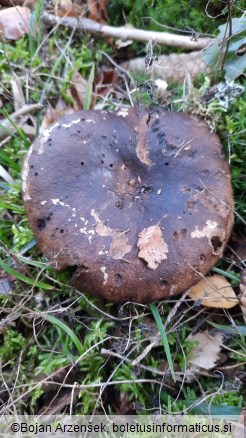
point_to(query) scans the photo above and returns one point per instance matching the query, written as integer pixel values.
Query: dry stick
(106, 352)
(125, 33)
(174, 309)
(146, 351)
(5, 125)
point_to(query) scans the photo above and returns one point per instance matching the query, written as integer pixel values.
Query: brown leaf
(242, 296)
(97, 11)
(10, 3)
(153, 248)
(69, 8)
(78, 91)
(106, 81)
(14, 22)
(214, 291)
(206, 353)
(52, 114)
(16, 85)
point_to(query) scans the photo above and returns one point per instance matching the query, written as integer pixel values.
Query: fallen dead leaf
(78, 90)
(10, 3)
(153, 248)
(215, 292)
(14, 22)
(105, 82)
(97, 10)
(206, 353)
(242, 296)
(18, 96)
(52, 114)
(69, 8)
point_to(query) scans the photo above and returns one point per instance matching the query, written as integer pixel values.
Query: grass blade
(24, 278)
(211, 409)
(41, 265)
(64, 328)
(238, 330)
(88, 93)
(5, 160)
(18, 130)
(226, 274)
(163, 334)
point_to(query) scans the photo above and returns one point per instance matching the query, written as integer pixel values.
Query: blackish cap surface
(139, 201)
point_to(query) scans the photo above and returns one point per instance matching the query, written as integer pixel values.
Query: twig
(6, 126)
(87, 25)
(146, 351)
(25, 110)
(144, 367)
(174, 309)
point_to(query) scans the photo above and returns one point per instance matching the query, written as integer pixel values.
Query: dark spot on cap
(41, 224)
(216, 243)
(118, 280)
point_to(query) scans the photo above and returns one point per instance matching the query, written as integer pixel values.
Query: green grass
(51, 331)
(164, 339)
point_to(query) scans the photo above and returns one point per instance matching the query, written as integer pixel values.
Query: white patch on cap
(74, 122)
(57, 201)
(25, 173)
(44, 137)
(204, 231)
(105, 275)
(123, 112)
(214, 233)
(173, 289)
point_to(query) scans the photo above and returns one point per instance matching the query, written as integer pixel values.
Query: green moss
(11, 344)
(232, 128)
(179, 15)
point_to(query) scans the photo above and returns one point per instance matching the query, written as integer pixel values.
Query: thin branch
(6, 126)
(106, 352)
(125, 33)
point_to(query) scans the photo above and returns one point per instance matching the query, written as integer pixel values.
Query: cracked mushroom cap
(139, 202)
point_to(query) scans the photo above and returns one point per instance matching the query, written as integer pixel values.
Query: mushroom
(138, 202)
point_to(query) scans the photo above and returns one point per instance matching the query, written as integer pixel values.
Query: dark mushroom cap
(138, 202)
